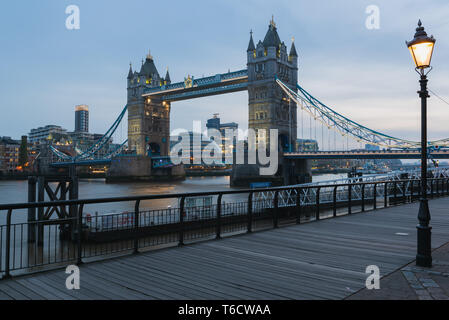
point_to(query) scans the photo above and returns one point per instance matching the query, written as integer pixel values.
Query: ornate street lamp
(421, 48)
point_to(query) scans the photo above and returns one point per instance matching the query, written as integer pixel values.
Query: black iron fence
(35, 245)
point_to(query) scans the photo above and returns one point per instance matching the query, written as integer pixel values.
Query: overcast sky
(364, 74)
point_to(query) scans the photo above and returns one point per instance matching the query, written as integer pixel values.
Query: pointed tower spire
(130, 73)
(271, 38)
(251, 46)
(293, 52)
(167, 77)
(272, 23)
(149, 56)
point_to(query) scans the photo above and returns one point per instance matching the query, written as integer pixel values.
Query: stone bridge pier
(296, 171)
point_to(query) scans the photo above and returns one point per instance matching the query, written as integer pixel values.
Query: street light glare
(421, 47)
(422, 54)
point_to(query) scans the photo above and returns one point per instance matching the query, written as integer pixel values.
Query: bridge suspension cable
(104, 139)
(90, 152)
(346, 127)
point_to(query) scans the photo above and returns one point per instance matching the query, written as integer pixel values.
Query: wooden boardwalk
(318, 260)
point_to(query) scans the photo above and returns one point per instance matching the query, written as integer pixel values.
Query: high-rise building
(214, 123)
(82, 118)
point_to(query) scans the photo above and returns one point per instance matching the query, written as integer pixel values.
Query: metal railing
(34, 245)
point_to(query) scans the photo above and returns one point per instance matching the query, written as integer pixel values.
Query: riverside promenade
(323, 259)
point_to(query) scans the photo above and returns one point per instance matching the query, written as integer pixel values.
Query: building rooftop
(82, 107)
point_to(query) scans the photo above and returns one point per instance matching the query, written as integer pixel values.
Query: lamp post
(421, 49)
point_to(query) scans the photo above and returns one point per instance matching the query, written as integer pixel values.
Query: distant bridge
(365, 154)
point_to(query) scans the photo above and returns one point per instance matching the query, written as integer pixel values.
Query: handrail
(15, 206)
(131, 230)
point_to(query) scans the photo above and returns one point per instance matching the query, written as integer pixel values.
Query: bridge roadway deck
(319, 260)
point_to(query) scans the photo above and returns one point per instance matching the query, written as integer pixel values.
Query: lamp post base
(424, 256)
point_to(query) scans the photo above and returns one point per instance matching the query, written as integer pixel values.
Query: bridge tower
(269, 108)
(148, 119)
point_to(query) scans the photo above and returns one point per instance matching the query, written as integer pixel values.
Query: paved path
(414, 283)
(318, 260)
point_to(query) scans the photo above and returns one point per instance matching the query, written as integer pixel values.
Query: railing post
(437, 187)
(386, 194)
(349, 198)
(404, 194)
(363, 197)
(334, 201)
(375, 196)
(136, 226)
(181, 221)
(395, 191)
(447, 186)
(317, 204)
(412, 186)
(250, 212)
(298, 206)
(419, 189)
(8, 245)
(431, 188)
(218, 236)
(80, 231)
(31, 211)
(276, 207)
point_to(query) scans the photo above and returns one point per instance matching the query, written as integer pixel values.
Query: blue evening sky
(364, 74)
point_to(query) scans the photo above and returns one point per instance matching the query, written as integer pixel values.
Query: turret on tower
(269, 108)
(148, 119)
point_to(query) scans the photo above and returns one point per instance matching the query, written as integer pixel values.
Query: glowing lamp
(421, 47)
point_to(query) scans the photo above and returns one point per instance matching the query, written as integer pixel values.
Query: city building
(78, 141)
(82, 118)
(194, 148)
(49, 132)
(214, 123)
(9, 155)
(306, 145)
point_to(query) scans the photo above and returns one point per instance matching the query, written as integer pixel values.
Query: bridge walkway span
(324, 259)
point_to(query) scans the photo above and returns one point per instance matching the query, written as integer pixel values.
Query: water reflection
(16, 192)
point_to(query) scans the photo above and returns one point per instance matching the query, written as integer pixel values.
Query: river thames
(15, 191)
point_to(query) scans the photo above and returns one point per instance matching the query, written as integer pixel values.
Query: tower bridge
(271, 80)
(150, 96)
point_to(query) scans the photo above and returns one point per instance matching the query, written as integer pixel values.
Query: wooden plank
(25, 290)
(94, 287)
(318, 260)
(195, 283)
(13, 293)
(152, 279)
(124, 281)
